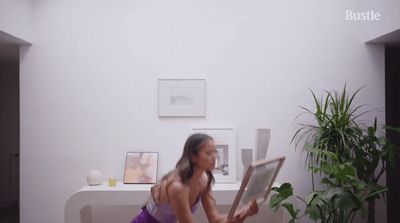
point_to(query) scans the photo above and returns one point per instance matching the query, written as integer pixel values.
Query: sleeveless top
(159, 212)
(163, 212)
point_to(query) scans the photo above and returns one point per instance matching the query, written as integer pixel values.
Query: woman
(179, 192)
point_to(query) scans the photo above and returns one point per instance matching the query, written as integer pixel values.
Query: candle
(112, 182)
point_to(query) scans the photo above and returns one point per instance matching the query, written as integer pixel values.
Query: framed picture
(141, 168)
(181, 97)
(257, 182)
(225, 165)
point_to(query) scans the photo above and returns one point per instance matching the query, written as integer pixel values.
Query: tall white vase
(262, 142)
(247, 158)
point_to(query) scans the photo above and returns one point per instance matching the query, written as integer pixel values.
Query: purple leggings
(144, 217)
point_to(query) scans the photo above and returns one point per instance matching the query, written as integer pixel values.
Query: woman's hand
(253, 208)
(250, 209)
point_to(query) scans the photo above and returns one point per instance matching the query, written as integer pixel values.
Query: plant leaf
(293, 212)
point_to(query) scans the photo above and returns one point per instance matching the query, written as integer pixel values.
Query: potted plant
(346, 152)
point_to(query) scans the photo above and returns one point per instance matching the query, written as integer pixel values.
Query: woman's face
(206, 157)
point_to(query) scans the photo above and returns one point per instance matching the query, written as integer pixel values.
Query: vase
(247, 158)
(262, 142)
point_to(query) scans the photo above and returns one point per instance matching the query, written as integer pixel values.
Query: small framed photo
(181, 97)
(141, 168)
(225, 165)
(257, 182)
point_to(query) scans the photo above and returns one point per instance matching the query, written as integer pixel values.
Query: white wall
(89, 82)
(16, 18)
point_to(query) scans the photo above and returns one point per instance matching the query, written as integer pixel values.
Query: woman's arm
(178, 196)
(210, 209)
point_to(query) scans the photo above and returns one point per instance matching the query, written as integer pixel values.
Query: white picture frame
(181, 97)
(225, 142)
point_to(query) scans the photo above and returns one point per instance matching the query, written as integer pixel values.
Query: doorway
(9, 132)
(392, 76)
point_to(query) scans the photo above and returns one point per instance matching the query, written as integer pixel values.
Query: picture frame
(181, 97)
(141, 168)
(225, 142)
(257, 182)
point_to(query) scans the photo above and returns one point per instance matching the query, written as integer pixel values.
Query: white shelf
(129, 194)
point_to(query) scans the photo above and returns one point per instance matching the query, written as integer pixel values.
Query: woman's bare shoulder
(170, 185)
(176, 188)
(174, 182)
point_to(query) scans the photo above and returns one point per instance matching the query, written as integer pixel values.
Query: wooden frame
(257, 182)
(141, 168)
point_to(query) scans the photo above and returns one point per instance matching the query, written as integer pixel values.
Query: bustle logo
(370, 15)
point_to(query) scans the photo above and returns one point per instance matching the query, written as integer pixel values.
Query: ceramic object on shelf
(94, 177)
(262, 142)
(247, 158)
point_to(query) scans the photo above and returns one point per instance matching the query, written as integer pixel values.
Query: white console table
(127, 194)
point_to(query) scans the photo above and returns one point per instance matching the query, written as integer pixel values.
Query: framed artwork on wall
(225, 165)
(141, 168)
(257, 182)
(181, 97)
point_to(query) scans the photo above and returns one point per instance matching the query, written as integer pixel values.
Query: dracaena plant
(346, 153)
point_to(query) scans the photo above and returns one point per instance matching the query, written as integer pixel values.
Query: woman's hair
(185, 166)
